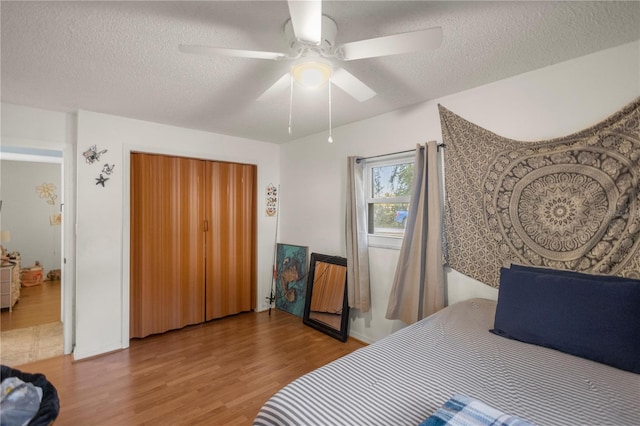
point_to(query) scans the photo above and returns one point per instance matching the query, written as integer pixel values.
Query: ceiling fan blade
(350, 84)
(277, 88)
(238, 53)
(306, 17)
(430, 38)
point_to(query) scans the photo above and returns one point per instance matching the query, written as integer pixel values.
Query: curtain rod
(440, 145)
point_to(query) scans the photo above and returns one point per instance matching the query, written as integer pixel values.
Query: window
(388, 191)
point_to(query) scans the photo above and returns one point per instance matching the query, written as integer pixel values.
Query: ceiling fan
(311, 36)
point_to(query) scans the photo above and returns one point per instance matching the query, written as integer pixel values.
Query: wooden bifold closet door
(193, 239)
(231, 238)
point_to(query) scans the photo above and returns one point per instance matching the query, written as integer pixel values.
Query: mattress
(405, 377)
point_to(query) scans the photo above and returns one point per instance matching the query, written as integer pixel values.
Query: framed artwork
(291, 278)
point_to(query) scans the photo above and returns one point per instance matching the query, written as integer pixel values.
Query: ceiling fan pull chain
(290, 103)
(330, 140)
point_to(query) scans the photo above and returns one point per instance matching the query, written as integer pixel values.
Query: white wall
(98, 320)
(542, 104)
(102, 295)
(26, 215)
(550, 102)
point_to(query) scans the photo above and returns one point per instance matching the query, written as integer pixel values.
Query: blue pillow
(592, 316)
(568, 273)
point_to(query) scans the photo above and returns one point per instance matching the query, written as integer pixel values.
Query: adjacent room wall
(550, 102)
(26, 215)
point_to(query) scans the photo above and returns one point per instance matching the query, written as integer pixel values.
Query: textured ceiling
(122, 57)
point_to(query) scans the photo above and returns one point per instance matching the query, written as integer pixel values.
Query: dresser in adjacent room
(10, 284)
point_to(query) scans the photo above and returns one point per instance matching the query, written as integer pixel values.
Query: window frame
(392, 241)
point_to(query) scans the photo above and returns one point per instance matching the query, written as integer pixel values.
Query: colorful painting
(291, 278)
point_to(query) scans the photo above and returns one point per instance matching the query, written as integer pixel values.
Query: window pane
(391, 181)
(388, 218)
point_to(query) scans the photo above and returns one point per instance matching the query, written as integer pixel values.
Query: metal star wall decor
(92, 154)
(101, 180)
(108, 169)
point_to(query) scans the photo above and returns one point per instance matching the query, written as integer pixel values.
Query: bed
(406, 377)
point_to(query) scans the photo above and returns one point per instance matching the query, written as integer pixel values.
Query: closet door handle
(206, 225)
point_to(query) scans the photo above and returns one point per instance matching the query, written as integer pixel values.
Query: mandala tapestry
(566, 203)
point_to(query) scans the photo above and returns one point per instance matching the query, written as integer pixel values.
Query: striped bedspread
(405, 377)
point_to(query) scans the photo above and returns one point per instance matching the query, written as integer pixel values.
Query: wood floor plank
(39, 304)
(217, 373)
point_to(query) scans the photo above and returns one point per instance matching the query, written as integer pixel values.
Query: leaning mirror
(326, 308)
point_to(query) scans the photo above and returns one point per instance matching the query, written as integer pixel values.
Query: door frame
(67, 296)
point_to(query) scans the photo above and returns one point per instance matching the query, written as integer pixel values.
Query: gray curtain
(358, 286)
(418, 285)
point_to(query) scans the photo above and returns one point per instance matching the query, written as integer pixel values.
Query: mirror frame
(343, 333)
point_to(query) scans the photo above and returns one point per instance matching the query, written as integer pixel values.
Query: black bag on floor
(49, 405)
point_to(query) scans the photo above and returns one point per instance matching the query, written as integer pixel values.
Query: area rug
(30, 344)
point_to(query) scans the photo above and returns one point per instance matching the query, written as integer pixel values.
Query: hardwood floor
(33, 330)
(39, 304)
(217, 373)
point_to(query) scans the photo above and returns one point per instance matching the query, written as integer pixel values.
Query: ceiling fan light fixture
(311, 74)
